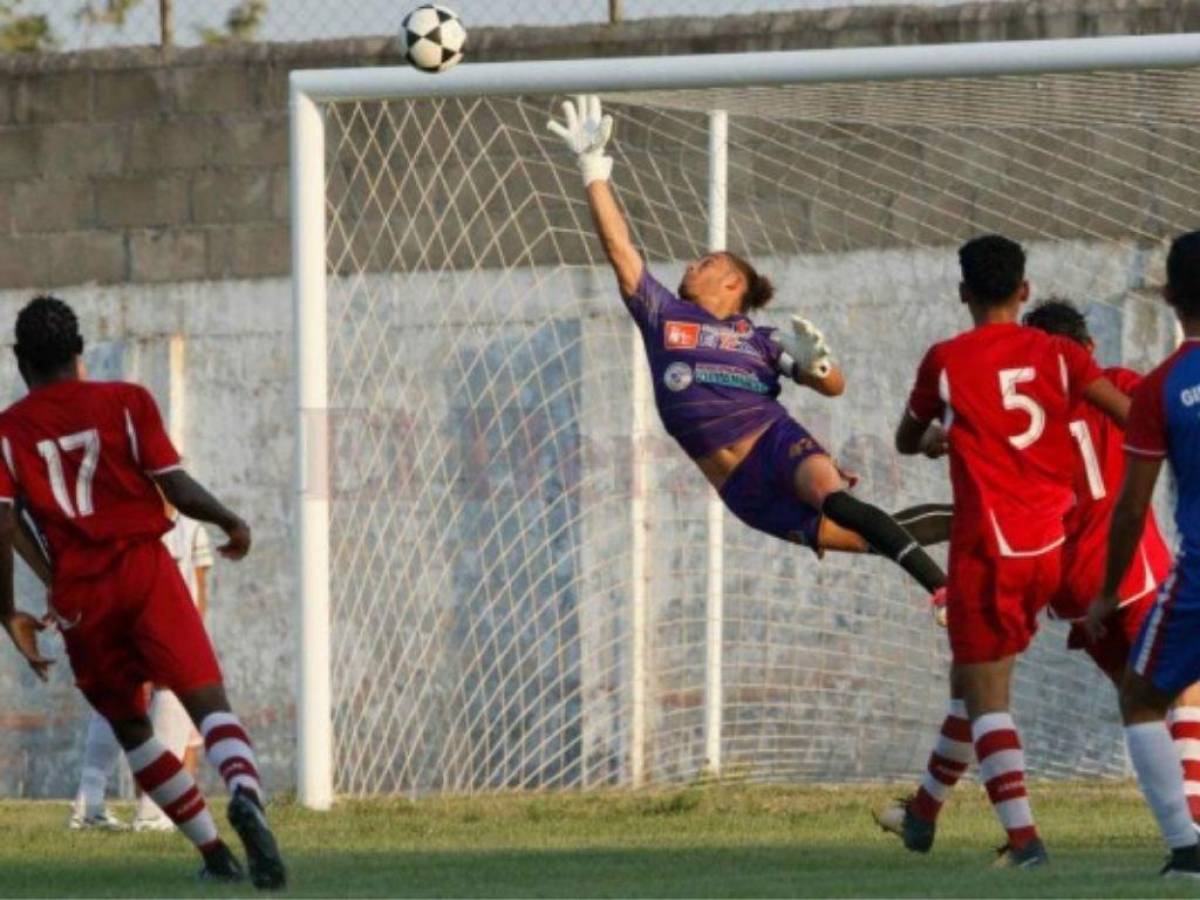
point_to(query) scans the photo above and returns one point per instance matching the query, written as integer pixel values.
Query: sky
(311, 19)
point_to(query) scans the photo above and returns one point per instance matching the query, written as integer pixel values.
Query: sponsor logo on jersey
(801, 447)
(682, 335)
(678, 376)
(1190, 396)
(738, 338)
(729, 376)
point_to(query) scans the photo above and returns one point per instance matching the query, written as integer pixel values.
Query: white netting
(481, 369)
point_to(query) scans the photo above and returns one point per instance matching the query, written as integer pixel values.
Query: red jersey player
(1005, 393)
(1099, 469)
(83, 458)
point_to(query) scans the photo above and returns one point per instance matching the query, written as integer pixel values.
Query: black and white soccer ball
(434, 38)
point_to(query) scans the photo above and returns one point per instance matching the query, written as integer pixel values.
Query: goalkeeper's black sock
(885, 536)
(928, 523)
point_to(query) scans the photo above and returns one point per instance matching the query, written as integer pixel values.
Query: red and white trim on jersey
(133, 441)
(1142, 451)
(1155, 630)
(165, 469)
(1007, 550)
(160, 774)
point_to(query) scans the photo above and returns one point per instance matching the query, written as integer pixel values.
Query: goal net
(526, 586)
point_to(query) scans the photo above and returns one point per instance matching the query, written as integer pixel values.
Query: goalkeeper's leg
(819, 484)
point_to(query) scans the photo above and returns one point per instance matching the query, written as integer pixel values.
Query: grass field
(720, 841)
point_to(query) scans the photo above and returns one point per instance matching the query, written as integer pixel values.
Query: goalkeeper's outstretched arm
(586, 132)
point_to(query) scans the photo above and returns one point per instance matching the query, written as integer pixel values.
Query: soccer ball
(434, 38)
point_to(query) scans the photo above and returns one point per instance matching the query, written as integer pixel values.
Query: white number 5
(1009, 379)
(87, 441)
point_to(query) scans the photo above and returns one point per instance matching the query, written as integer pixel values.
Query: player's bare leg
(819, 484)
(160, 774)
(1144, 711)
(229, 752)
(914, 818)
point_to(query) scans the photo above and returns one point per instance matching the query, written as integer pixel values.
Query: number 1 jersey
(79, 455)
(1005, 393)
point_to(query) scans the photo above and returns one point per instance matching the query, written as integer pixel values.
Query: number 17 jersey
(79, 456)
(1005, 393)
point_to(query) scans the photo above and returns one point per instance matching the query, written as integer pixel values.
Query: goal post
(507, 576)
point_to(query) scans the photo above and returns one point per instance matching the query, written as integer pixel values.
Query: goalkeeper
(716, 380)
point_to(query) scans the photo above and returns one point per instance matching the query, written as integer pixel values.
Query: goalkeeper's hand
(807, 348)
(586, 133)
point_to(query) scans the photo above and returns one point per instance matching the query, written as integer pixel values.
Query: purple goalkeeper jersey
(715, 380)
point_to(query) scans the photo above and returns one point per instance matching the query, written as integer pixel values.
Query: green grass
(720, 841)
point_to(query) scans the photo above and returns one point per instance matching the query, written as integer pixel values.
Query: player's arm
(915, 436)
(919, 431)
(1109, 399)
(193, 500)
(586, 133)
(22, 628)
(1124, 535)
(30, 550)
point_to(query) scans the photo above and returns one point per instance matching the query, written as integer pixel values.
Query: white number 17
(87, 441)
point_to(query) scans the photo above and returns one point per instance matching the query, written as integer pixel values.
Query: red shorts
(1121, 629)
(131, 624)
(992, 602)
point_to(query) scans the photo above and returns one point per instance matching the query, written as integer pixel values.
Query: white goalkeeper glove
(804, 350)
(586, 133)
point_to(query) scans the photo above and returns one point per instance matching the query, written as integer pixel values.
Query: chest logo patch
(678, 376)
(682, 335)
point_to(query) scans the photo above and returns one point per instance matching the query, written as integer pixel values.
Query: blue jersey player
(1164, 424)
(717, 382)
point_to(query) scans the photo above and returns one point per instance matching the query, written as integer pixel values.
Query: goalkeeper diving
(717, 380)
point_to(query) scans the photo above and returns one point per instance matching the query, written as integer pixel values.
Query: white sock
(1161, 779)
(100, 754)
(170, 721)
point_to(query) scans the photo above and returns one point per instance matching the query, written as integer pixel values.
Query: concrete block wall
(131, 166)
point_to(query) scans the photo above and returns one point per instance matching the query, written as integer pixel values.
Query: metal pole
(718, 184)
(166, 23)
(640, 570)
(615, 11)
(314, 717)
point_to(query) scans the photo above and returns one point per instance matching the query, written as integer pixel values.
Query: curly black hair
(47, 335)
(993, 267)
(1059, 316)
(1183, 274)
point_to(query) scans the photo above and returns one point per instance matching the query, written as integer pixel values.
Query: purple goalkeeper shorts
(761, 491)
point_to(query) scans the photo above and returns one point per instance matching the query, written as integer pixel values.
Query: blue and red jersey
(715, 380)
(1164, 423)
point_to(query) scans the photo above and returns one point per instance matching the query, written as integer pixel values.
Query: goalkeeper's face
(713, 282)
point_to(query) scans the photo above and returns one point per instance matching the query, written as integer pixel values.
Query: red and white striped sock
(1002, 770)
(160, 774)
(1185, 731)
(951, 755)
(229, 751)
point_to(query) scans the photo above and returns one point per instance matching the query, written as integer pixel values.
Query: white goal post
(583, 652)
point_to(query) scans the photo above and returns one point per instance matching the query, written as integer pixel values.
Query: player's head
(1059, 316)
(48, 340)
(724, 283)
(993, 272)
(1182, 290)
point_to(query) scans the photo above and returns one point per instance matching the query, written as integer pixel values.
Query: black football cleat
(220, 865)
(916, 833)
(1184, 862)
(267, 871)
(1030, 856)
